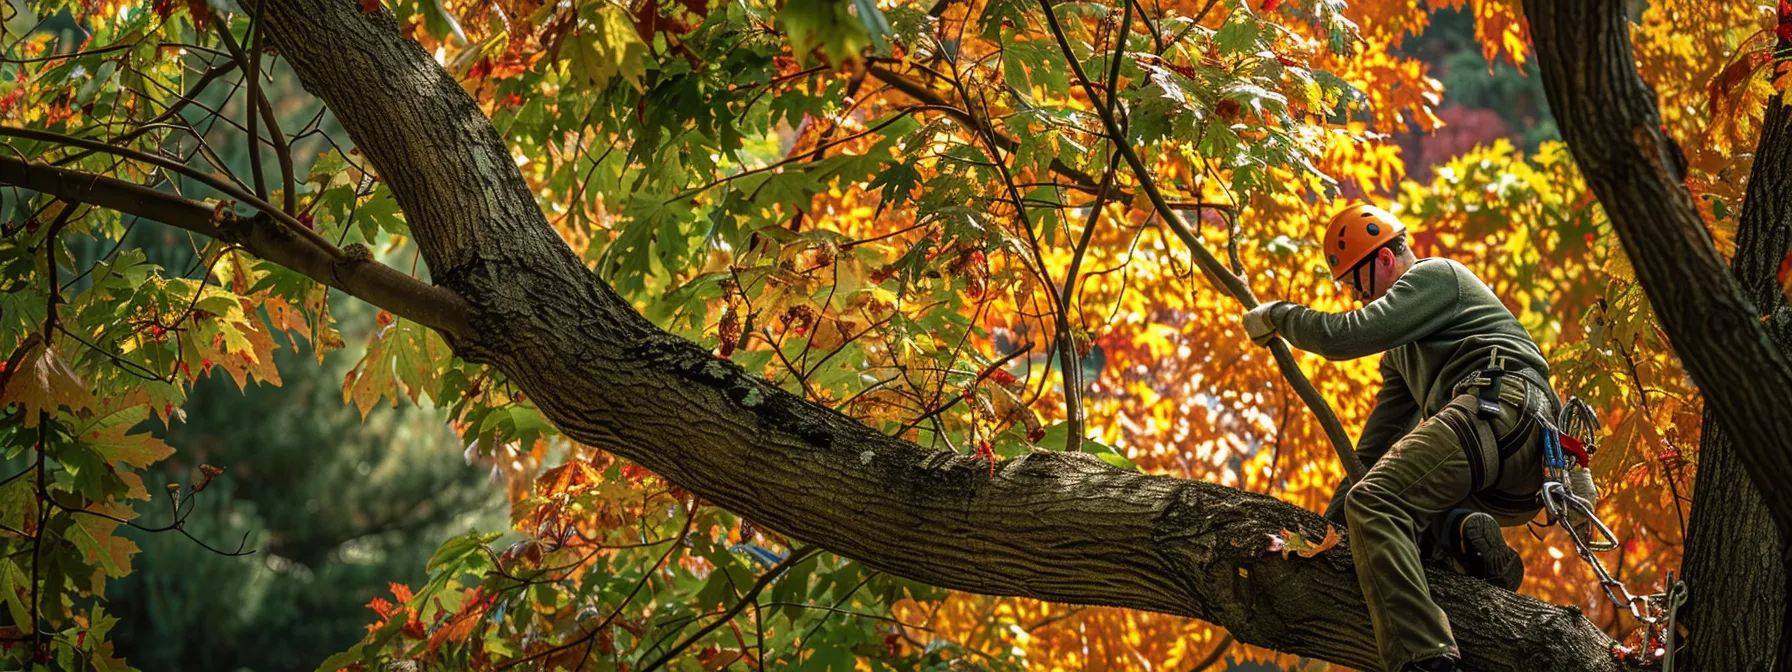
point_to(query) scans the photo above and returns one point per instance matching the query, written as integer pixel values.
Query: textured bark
(366, 279)
(1735, 560)
(1609, 119)
(1060, 527)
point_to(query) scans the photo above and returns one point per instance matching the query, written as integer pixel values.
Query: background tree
(929, 218)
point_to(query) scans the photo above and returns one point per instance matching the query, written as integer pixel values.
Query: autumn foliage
(905, 211)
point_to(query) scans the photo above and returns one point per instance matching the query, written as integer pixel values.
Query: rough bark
(1609, 119)
(365, 279)
(1058, 526)
(1735, 560)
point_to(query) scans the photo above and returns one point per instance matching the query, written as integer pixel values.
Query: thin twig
(1210, 266)
(751, 596)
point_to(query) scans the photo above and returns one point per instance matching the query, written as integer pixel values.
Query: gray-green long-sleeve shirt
(1437, 325)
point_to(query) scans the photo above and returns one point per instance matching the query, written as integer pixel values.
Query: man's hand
(1258, 324)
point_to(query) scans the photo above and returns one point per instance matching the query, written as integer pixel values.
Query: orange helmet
(1355, 233)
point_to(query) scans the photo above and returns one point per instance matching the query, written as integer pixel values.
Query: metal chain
(1657, 612)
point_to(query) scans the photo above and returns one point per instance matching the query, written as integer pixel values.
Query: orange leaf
(1294, 542)
(44, 382)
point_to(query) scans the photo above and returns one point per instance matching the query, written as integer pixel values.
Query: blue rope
(1552, 451)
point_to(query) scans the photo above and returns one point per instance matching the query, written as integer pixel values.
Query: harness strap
(1479, 444)
(1470, 417)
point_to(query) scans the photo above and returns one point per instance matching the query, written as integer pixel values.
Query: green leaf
(1240, 34)
(894, 185)
(404, 359)
(1056, 435)
(18, 498)
(455, 551)
(365, 650)
(1035, 63)
(876, 25)
(13, 583)
(93, 535)
(824, 24)
(606, 45)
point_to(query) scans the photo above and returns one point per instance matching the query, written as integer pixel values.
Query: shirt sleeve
(1421, 302)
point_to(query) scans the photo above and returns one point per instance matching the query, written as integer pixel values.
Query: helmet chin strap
(1372, 259)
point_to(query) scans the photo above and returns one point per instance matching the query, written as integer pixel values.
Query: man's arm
(1395, 414)
(1423, 300)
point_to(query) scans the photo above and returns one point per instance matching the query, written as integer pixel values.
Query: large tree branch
(1062, 527)
(366, 279)
(1609, 118)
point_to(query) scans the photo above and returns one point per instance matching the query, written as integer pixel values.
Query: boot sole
(1499, 564)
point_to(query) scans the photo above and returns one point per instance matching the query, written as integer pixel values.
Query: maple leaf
(18, 503)
(112, 439)
(42, 381)
(1293, 542)
(92, 534)
(14, 581)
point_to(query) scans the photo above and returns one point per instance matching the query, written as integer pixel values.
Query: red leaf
(1785, 276)
(985, 452)
(370, 6)
(1271, 5)
(380, 606)
(481, 69)
(200, 12)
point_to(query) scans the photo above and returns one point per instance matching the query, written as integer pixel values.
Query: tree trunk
(1609, 118)
(1735, 560)
(1062, 527)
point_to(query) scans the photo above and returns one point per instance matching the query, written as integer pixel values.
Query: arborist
(1454, 445)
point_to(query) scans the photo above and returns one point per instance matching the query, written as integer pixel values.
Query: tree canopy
(822, 334)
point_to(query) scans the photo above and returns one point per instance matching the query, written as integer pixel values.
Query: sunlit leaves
(603, 45)
(821, 192)
(403, 359)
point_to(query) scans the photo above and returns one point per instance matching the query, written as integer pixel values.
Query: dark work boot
(1485, 554)
(1438, 664)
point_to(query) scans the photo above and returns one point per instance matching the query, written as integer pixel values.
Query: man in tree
(1456, 435)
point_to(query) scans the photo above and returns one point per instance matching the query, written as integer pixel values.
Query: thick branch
(278, 215)
(1609, 118)
(365, 279)
(1055, 526)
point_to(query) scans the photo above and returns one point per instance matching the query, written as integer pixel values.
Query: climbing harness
(1579, 425)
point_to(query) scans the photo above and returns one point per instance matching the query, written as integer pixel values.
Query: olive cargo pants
(1443, 464)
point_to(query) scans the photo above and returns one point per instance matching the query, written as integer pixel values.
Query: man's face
(1371, 285)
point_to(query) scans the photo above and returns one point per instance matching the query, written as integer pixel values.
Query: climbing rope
(1658, 612)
